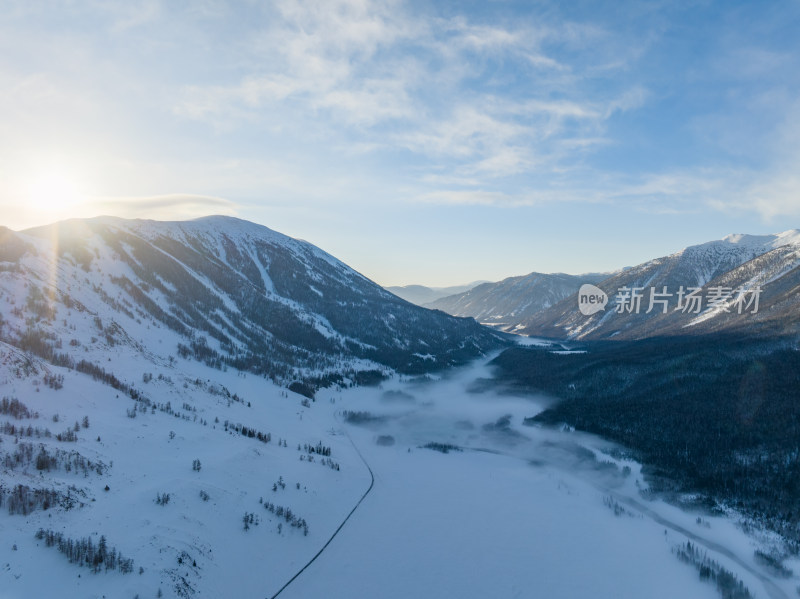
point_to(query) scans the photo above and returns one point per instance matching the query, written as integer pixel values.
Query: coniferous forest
(716, 415)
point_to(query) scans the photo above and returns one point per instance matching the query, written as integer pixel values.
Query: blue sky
(420, 142)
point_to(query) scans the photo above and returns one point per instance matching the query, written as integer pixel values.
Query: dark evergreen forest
(717, 415)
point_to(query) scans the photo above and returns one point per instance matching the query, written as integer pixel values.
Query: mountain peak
(792, 236)
(228, 292)
(739, 247)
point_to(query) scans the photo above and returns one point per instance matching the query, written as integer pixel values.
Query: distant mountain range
(513, 301)
(223, 291)
(547, 304)
(421, 295)
(719, 269)
(233, 293)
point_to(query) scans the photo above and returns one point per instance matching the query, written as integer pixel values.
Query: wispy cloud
(683, 192)
(480, 103)
(163, 207)
(134, 13)
(476, 197)
(437, 87)
(366, 109)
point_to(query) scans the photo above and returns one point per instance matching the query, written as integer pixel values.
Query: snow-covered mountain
(235, 294)
(718, 269)
(156, 478)
(421, 295)
(513, 301)
(138, 420)
(144, 452)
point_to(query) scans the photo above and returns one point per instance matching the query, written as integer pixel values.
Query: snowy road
(336, 532)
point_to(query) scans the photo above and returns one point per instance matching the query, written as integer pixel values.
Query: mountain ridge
(735, 262)
(507, 303)
(235, 293)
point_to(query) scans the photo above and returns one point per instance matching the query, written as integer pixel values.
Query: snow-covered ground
(197, 546)
(518, 512)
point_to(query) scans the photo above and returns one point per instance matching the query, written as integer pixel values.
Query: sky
(433, 143)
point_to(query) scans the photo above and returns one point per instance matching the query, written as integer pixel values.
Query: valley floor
(519, 512)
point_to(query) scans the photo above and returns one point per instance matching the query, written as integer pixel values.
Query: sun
(54, 191)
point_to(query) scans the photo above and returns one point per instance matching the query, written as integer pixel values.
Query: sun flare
(54, 191)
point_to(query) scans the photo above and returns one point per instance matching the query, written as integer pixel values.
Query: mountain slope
(736, 262)
(218, 483)
(234, 293)
(179, 430)
(510, 302)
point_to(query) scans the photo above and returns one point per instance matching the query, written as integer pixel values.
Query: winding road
(335, 532)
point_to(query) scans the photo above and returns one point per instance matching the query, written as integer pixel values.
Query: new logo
(591, 299)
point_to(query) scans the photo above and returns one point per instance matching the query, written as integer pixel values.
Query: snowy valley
(148, 448)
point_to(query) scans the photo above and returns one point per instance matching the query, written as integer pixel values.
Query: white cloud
(630, 99)
(406, 81)
(771, 198)
(132, 14)
(329, 98)
(688, 192)
(178, 204)
(478, 197)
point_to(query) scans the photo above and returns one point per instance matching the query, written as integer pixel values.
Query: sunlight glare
(54, 191)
